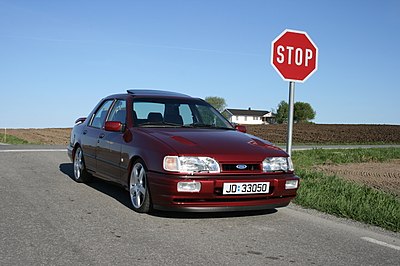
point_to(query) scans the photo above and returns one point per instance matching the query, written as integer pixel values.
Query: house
(249, 117)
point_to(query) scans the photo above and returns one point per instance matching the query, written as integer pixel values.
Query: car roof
(147, 93)
(156, 93)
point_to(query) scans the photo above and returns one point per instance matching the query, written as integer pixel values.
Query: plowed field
(329, 134)
(383, 176)
(48, 136)
(302, 134)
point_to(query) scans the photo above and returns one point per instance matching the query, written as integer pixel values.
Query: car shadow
(121, 195)
(107, 188)
(67, 169)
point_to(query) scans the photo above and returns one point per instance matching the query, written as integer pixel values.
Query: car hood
(223, 145)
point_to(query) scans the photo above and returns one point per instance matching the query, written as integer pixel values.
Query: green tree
(218, 103)
(282, 112)
(303, 112)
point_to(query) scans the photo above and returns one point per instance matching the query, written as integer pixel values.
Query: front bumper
(163, 189)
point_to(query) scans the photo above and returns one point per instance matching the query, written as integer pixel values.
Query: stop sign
(294, 55)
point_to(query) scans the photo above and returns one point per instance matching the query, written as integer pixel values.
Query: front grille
(239, 167)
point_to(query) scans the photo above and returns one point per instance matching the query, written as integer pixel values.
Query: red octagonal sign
(294, 55)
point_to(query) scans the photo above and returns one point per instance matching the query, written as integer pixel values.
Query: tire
(138, 188)
(80, 173)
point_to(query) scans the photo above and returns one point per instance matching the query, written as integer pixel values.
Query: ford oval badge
(241, 166)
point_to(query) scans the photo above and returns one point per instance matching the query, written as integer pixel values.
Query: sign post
(295, 57)
(290, 118)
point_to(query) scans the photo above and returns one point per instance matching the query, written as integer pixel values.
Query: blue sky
(59, 58)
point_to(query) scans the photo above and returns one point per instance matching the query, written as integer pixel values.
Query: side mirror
(80, 120)
(241, 128)
(114, 126)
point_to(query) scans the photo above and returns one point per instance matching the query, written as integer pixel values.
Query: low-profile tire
(80, 173)
(138, 188)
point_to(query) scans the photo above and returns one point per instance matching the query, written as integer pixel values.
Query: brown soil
(58, 136)
(329, 134)
(383, 176)
(302, 134)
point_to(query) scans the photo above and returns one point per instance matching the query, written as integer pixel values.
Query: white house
(249, 117)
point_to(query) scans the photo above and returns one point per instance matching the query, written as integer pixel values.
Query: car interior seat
(155, 117)
(172, 115)
(175, 119)
(120, 116)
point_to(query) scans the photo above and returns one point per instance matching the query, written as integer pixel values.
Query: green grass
(343, 198)
(9, 139)
(306, 159)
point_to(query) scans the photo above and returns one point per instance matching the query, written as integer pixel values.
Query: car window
(186, 114)
(118, 112)
(177, 113)
(143, 109)
(208, 116)
(100, 115)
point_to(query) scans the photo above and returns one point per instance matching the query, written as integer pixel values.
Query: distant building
(249, 117)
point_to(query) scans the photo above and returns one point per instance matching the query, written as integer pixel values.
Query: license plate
(245, 188)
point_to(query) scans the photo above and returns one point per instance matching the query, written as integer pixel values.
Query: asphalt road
(47, 218)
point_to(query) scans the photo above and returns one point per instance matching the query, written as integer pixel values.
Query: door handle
(84, 132)
(102, 135)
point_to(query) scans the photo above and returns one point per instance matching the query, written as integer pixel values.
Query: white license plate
(245, 188)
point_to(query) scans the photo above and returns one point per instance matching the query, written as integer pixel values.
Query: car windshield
(177, 113)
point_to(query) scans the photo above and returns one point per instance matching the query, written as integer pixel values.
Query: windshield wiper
(201, 125)
(160, 123)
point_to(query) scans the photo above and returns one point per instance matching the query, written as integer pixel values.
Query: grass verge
(334, 195)
(10, 139)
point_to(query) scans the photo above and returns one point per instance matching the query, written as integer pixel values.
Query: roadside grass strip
(334, 195)
(10, 139)
(309, 158)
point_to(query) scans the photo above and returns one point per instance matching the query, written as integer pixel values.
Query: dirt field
(383, 176)
(302, 134)
(49, 136)
(329, 134)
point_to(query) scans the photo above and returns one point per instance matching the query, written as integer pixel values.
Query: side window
(118, 112)
(186, 113)
(100, 115)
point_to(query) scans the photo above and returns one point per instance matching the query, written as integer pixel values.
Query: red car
(175, 152)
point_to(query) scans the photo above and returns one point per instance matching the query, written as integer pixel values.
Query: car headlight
(273, 164)
(190, 164)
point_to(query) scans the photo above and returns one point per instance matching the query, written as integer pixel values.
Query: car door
(109, 145)
(91, 134)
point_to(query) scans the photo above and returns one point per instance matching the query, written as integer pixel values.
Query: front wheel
(80, 173)
(138, 188)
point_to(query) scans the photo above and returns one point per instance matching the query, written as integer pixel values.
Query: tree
(218, 103)
(303, 112)
(282, 112)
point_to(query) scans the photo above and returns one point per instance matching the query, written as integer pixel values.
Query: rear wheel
(138, 188)
(80, 172)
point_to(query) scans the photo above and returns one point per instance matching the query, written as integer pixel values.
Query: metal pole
(290, 118)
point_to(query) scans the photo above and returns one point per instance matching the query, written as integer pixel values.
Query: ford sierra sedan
(175, 152)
